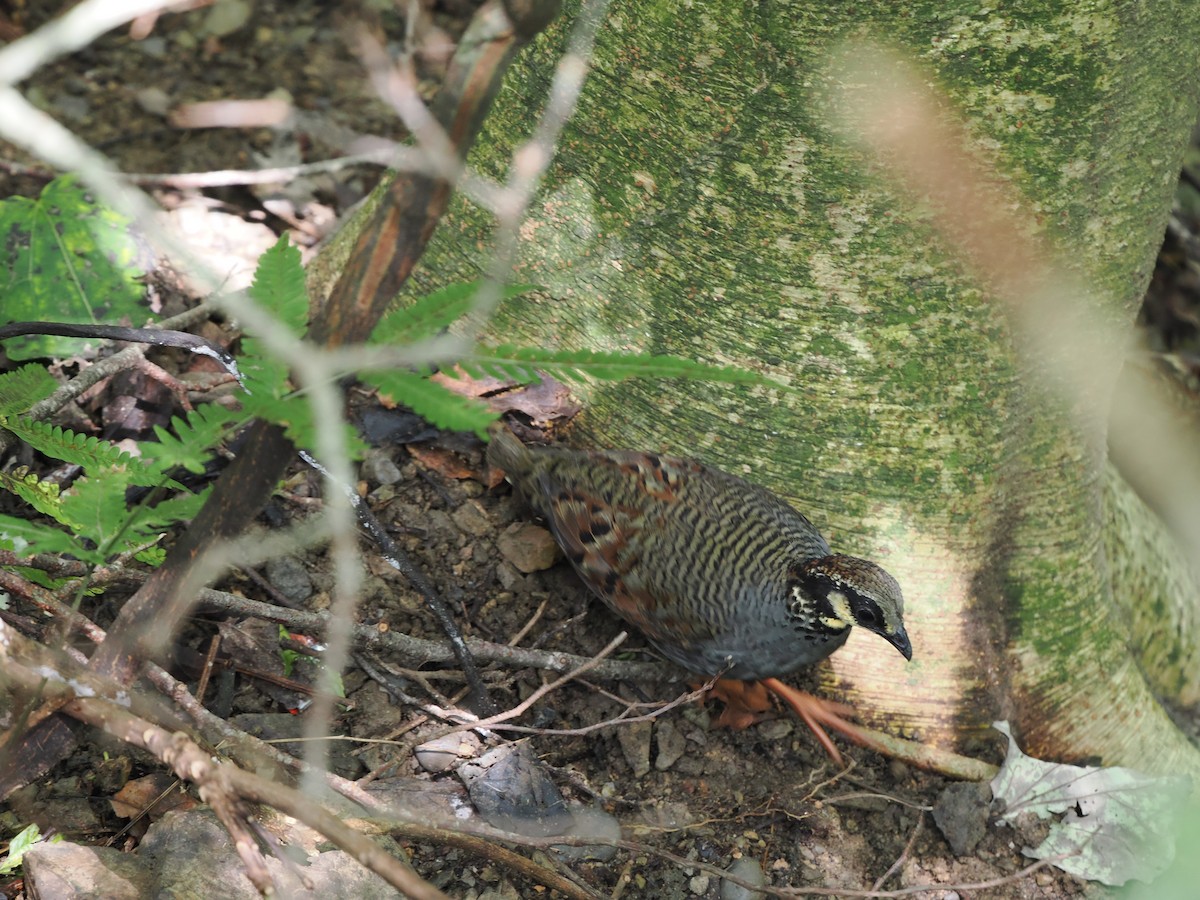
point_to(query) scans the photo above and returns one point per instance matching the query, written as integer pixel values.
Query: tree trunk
(702, 205)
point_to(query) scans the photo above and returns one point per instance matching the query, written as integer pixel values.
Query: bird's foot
(746, 703)
(820, 714)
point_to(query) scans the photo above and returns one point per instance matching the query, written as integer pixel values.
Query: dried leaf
(440, 460)
(1113, 824)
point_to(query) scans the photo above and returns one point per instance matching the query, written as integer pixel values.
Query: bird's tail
(505, 451)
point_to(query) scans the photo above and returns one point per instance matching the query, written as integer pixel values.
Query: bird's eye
(866, 616)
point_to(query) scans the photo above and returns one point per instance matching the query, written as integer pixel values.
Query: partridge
(721, 576)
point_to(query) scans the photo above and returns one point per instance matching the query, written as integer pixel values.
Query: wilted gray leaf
(1118, 823)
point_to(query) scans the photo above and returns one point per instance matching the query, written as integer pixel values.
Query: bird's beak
(900, 641)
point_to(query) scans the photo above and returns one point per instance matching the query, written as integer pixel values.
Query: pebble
(471, 518)
(746, 869)
(153, 100)
(635, 746)
(288, 576)
(379, 468)
(448, 750)
(671, 745)
(529, 547)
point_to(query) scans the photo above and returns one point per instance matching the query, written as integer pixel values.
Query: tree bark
(703, 205)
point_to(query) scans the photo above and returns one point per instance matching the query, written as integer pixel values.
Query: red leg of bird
(815, 713)
(746, 702)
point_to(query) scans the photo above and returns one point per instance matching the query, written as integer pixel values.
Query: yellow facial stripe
(841, 608)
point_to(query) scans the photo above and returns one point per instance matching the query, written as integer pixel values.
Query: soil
(678, 785)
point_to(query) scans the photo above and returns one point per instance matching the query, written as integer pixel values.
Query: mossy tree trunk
(702, 205)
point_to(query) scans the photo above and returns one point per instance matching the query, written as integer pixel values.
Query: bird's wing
(606, 541)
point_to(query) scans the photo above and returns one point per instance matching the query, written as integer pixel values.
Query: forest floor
(684, 789)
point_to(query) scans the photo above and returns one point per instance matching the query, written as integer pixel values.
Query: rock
(69, 871)
(589, 822)
(448, 750)
(380, 468)
(529, 547)
(746, 869)
(635, 746)
(961, 813)
(671, 745)
(289, 576)
(471, 518)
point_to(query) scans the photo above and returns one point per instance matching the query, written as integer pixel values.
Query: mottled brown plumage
(722, 576)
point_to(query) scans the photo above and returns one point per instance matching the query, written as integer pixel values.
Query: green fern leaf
(82, 450)
(523, 364)
(95, 509)
(279, 285)
(151, 556)
(21, 389)
(41, 495)
(432, 402)
(194, 438)
(182, 507)
(67, 258)
(430, 314)
(28, 537)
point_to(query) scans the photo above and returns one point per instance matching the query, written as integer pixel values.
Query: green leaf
(191, 445)
(82, 450)
(524, 363)
(19, 845)
(1110, 824)
(95, 508)
(430, 314)
(67, 259)
(148, 520)
(21, 389)
(41, 495)
(432, 402)
(27, 537)
(279, 285)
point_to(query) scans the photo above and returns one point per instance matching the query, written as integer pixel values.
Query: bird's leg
(816, 713)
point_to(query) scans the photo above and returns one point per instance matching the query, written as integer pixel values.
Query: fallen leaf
(440, 460)
(1112, 824)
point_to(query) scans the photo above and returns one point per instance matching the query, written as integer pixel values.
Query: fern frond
(82, 450)
(194, 439)
(21, 389)
(524, 364)
(26, 536)
(279, 285)
(95, 508)
(41, 495)
(432, 402)
(181, 507)
(433, 312)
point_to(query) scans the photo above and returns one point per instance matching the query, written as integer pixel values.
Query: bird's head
(837, 591)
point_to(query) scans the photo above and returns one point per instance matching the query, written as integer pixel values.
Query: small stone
(225, 17)
(635, 746)
(449, 750)
(380, 468)
(472, 519)
(671, 745)
(528, 547)
(510, 579)
(593, 823)
(699, 884)
(748, 870)
(961, 813)
(153, 100)
(775, 729)
(288, 575)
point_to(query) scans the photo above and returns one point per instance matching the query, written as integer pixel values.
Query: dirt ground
(711, 796)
